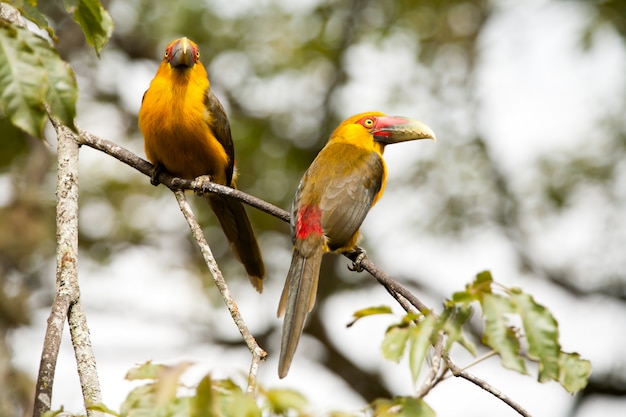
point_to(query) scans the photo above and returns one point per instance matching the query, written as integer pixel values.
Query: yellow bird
(335, 194)
(186, 132)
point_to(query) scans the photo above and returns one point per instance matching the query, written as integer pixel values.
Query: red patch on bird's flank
(309, 222)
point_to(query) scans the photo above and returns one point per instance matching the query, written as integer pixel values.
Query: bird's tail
(236, 225)
(296, 302)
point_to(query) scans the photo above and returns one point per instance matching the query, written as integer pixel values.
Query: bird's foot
(158, 168)
(202, 184)
(356, 264)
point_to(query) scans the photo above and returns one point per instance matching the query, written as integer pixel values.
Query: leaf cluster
(35, 83)
(537, 341)
(165, 395)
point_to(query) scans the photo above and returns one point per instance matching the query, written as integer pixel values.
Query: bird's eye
(197, 54)
(368, 122)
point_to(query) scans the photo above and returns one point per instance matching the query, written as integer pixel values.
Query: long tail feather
(234, 220)
(297, 300)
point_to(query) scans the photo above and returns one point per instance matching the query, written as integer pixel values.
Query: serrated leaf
(419, 342)
(280, 401)
(498, 335)
(402, 407)
(542, 333)
(62, 91)
(370, 311)
(148, 370)
(481, 285)
(394, 342)
(93, 19)
(451, 321)
(22, 80)
(167, 382)
(573, 372)
(31, 74)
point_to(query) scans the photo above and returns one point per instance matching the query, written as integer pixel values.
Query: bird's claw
(201, 184)
(154, 176)
(356, 264)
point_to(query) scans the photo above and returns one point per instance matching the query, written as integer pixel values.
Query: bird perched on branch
(335, 194)
(186, 132)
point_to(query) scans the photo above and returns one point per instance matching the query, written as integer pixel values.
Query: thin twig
(397, 290)
(258, 354)
(430, 379)
(459, 372)
(475, 361)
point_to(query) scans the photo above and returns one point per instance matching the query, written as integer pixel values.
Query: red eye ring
(367, 122)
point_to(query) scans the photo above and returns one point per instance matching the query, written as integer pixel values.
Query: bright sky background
(539, 92)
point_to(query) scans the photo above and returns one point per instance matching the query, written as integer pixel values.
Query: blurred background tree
(512, 185)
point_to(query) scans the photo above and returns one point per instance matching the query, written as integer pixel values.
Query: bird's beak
(394, 129)
(182, 54)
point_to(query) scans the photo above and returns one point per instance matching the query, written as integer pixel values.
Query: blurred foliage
(165, 394)
(287, 72)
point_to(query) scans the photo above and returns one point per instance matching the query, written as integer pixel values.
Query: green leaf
(62, 91)
(420, 341)
(475, 290)
(140, 401)
(93, 19)
(402, 407)
(370, 311)
(462, 297)
(202, 403)
(280, 401)
(451, 321)
(167, 382)
(148, 370)
(233, 401)
(498, 335)
(394, 342)
(29, 10)
(53, 413)
(32, 74)
(345, 414)
(482, 283)
(542, 333)
(22, 80)
(573, 372)
(102, 408)
(12, 145)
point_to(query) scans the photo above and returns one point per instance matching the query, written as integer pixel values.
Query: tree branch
(258, 354)
(67, 299)
(173, 183)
